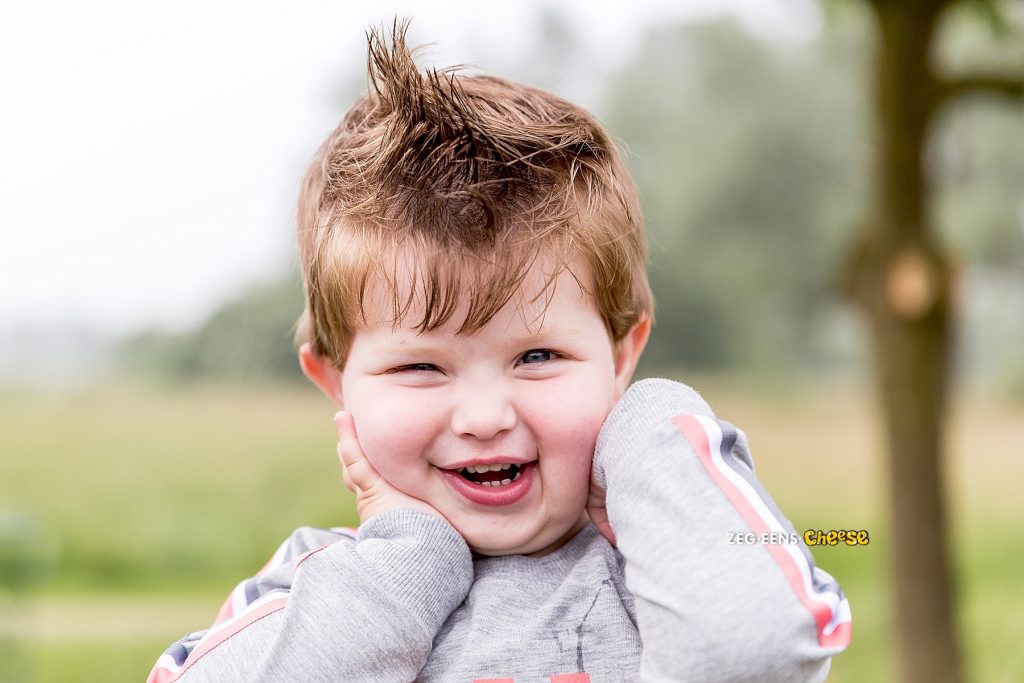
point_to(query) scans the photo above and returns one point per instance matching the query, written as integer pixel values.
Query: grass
(127, 513)
(84, 659)
(141, 490)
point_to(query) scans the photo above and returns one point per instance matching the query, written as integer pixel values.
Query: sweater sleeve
(365, 606)
(680, 485)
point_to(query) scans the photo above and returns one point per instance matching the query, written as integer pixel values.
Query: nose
(483, 412)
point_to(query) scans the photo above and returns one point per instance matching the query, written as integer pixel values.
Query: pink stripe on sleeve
(696, 433)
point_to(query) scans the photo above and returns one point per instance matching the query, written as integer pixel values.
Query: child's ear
(321, 372)
(627, 352)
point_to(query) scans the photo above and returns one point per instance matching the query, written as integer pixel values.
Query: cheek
(566, 423)
(394, 430)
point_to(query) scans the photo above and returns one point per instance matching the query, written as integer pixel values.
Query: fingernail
(338, 416)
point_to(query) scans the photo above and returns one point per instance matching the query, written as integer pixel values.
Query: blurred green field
(128, 513)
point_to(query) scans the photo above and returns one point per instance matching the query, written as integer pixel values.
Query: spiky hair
(448, 187)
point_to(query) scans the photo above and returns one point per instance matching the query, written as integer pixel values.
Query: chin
(514, 547)
(538, 544)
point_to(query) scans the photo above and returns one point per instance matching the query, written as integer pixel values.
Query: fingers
(348, 446)
(599, 518)
(348, 480)
(598, 513)
(356, 469)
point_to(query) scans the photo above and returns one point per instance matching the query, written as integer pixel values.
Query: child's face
(528, 389)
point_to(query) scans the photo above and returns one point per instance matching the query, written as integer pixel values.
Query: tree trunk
(901, 280)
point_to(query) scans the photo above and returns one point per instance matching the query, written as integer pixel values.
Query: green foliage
(26, 552)
(990, 14)
(976, 160)
(751, 171)
(250, 337)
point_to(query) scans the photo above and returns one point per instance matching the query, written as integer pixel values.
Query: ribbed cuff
(645, 408)
(421, 558)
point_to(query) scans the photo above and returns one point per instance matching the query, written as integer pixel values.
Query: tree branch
(997, 84)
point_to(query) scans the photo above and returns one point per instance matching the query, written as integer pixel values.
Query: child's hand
(373, 494)
(598, 512)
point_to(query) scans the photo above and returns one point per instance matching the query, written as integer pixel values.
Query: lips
(484, 494)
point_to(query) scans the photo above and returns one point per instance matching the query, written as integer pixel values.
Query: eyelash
(415, 367)
(553, 354)
(428, 367)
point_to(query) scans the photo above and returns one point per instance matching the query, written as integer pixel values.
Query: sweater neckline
(553, 564)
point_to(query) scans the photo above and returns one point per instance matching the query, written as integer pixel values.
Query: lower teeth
(503, 482)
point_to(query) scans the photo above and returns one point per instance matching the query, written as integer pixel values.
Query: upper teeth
(480, 469)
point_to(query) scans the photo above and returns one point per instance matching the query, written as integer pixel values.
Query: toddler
(473, 257)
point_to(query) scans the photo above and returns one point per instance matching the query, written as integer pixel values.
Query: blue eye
(536, 356)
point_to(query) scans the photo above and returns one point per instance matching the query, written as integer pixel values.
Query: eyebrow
(418, 347)
(394, 352)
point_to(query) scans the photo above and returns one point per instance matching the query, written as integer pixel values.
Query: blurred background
(157, 440)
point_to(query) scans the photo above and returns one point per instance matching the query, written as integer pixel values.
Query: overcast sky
(150, 152)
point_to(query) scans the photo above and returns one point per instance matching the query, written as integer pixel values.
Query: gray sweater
(679, 599)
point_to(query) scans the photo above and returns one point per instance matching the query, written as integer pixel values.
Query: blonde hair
(474, 178)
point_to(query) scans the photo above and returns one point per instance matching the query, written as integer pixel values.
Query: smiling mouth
(492, 475)
(492, 485)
